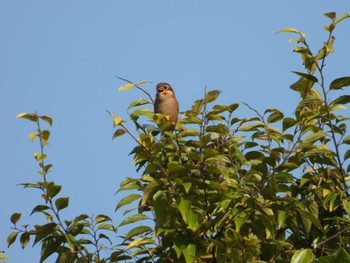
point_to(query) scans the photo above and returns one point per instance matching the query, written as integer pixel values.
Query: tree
(267, 188)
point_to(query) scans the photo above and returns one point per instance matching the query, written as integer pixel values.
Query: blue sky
(61, 58)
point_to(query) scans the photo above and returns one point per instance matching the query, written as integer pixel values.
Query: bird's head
(164, 89)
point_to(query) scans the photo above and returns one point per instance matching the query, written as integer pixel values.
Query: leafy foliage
(266, 188)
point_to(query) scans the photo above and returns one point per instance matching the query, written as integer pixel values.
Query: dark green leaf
(339, 83)
(347, 156)
(32, 117)
(307, 76)
(48, 248)
(341, 100)
(15, 217)
(62, 203)
(331, 15)
(44, 231)
(66, 255)
(25, 237)
(54, 190)
(118, 132)
(39, 208)
(47, 119)
(287, 123)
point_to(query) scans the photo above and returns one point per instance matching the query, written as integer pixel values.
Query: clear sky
(61, 58)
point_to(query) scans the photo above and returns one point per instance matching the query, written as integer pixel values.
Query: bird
(167, 104)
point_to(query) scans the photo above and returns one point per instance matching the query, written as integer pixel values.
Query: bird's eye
(165, 87)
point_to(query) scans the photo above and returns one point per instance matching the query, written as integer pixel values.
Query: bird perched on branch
(166, 103)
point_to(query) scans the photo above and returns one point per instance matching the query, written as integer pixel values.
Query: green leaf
(140, 242)
(143, 112)
(108, 227)
(189, 253)
(330, 15)
(11, 238)
(275, 117)
(44, 231)
(39, 208)
(45, 136)
(32, 117)
(188, 215)
(127, 200)
(15, 217)
(288, 123)
(310, 217)
(102, 218)
(281, 218)
(307, 76)
(339, 83)
(54, 190)
(66, 255)
(138, 102)
(25, 237)
(62, 203)
(118, 133)
(289, 30)
(346, 140)
(212, 95)
(346, 205)
(347, 156)
(47, 119)
(133, 219)
(303, 256)
(48, 248)
(313, 137)
(137, 231)
(341, 100)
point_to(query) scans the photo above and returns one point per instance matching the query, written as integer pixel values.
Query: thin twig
(137, 86)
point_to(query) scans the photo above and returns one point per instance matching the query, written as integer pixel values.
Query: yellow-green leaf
(32, 136)
(126, 87)
(138, 103)
(127, 200)
(303, 255)
(341, 18)
(117, 120)
(11, 238)
(39, 157)
(288, 30)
